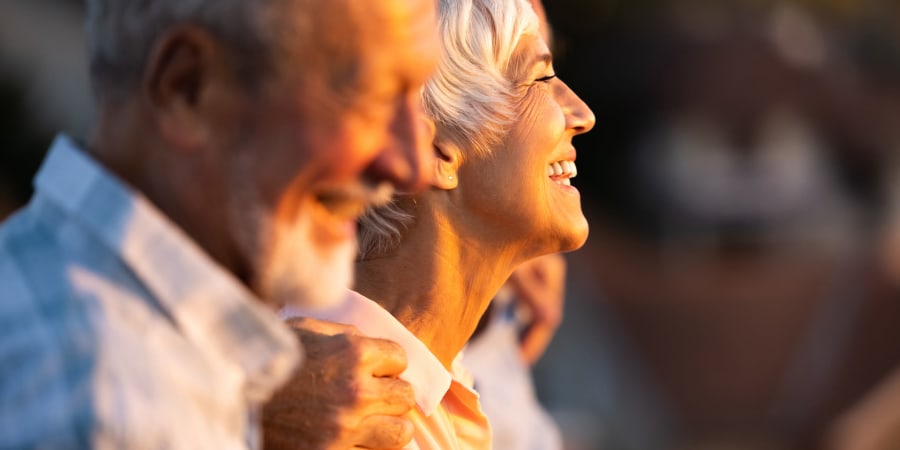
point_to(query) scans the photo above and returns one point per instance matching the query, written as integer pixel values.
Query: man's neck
(174, 183)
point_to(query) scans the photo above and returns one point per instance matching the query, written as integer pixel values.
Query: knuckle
(379, 349)
(400, 396)
(404, 432)
(388, 397)
(406, 394)
(394, 432)
(296, 322)
(350, 330)
(395, 393)
(393, 347)
(393, 350)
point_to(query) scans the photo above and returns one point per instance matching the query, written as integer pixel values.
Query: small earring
(450, 177)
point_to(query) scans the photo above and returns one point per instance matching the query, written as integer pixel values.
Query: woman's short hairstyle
(470, 98)
(121, 34)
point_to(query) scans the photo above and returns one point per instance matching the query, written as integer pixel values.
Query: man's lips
(350, 202)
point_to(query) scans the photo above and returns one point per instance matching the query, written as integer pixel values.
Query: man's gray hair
(470, 98)
(121, 34)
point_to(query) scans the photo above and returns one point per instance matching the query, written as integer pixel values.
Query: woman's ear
(446, 165)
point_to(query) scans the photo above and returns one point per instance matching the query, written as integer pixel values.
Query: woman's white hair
(121, 34)
(470, 98)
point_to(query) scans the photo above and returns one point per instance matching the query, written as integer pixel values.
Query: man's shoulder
(42, 250)
(32, 258)
(44, 366)
(55, 319)
(49, 309)
(29, 249)
(30, 229)
(39, 305)
(18, 225)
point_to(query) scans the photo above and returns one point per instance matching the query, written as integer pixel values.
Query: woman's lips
(561, 172)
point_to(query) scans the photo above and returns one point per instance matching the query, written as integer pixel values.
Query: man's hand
(540, 286)
(345, 395)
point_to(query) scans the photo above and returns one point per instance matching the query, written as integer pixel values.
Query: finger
(543, 298)
(384, 358)
(321, 326)
(388, 397)
(545, 268)
(531, 293)
(384, 432)
(538, 291)
(534, 341)
(356, 447)
(540, 307)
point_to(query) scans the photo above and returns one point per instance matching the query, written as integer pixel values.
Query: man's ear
(446, 164)
(178, 72)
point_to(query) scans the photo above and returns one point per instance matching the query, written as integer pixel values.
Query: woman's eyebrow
(526, 69)
(545, 58)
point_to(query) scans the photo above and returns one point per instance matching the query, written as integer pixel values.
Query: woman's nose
(579, 116)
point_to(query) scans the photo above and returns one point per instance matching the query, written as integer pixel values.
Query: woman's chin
(576, 240)
(570, 239)
(569, 222)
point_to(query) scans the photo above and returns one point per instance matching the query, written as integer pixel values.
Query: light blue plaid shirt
(117, 331)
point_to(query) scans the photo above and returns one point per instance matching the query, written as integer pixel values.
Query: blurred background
(740, 286)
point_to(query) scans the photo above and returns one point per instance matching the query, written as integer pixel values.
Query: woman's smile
(561, 172)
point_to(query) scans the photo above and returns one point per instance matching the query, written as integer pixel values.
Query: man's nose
(407, 159)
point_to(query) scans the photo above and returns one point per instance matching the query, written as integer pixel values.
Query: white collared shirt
(119, 331)
(448, 415)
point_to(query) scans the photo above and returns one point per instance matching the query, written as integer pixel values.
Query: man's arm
(345, 395)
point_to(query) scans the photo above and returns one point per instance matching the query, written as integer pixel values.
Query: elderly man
(236, 143)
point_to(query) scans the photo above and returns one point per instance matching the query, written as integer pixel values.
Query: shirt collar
(211, 308)
(429, 379)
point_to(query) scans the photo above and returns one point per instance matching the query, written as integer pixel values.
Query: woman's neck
(437, 284)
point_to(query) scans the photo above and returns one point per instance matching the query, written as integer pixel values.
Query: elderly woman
(430, 263)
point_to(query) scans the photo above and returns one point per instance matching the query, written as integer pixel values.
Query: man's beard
(298, 272)
(288, 266)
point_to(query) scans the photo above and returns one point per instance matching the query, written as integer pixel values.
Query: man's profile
(236, 143)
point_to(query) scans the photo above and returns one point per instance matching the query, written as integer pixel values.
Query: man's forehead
(341, 29)
(395, 33)
(366, 42)
(392, 18)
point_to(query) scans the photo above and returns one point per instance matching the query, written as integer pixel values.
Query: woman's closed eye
(545, 79)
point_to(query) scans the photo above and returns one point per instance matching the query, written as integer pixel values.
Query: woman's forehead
(530, 54)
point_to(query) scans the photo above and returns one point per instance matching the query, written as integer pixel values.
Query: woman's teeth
(562, 171)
